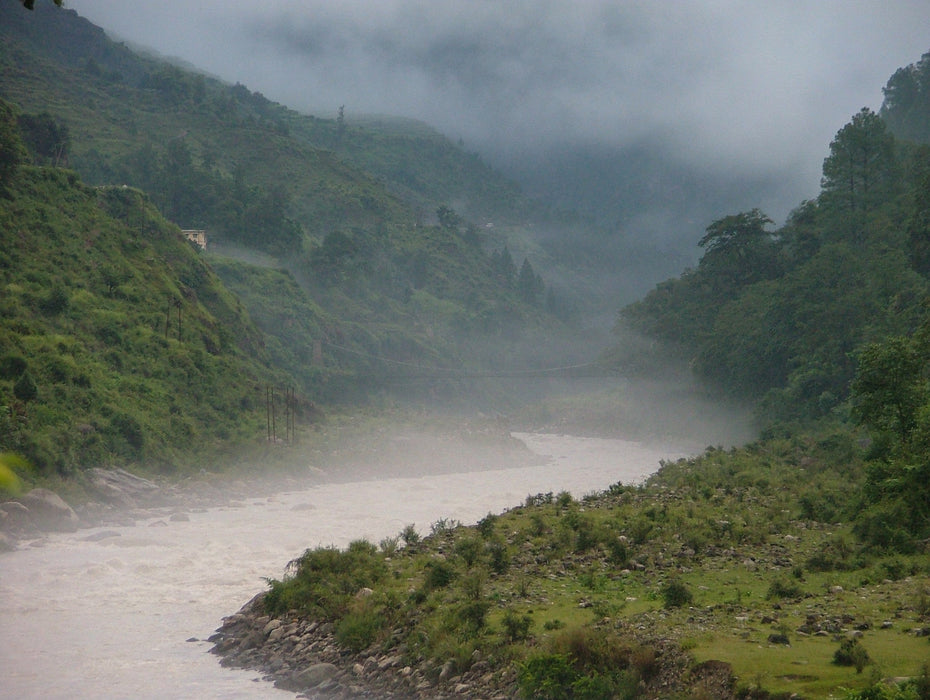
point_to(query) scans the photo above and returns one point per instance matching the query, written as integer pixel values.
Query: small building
(196, 236)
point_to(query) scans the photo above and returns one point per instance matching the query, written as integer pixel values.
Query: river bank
(345, 450)
(715, 579)
(124, 610)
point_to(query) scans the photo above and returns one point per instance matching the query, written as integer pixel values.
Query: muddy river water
(124, 612)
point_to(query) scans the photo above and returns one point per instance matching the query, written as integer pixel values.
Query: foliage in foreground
(728, 556)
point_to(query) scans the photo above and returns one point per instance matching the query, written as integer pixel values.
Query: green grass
(737, 543)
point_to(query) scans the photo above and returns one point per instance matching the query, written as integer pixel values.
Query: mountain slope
(366, 251)
(118, 344)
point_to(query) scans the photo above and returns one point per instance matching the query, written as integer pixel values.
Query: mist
(754, 92)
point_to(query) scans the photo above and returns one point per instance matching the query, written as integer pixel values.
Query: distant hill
(782, 315)
(349, 207)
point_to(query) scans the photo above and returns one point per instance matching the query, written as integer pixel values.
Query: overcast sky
(745, 85)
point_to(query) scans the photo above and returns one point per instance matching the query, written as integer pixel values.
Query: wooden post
(274, 429)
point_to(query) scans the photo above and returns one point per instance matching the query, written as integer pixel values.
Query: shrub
(486, 525)
(55, 302)
(410, 536)
(439, 574)
(500, 559)
(443, 526)
(359, 629)
(25, 388)
(547, 677)
(389, 546)
(676, 594)
(780, 588)
(619, 553)
(128, 428)
(473, 584)
(516, 628)
(474, 614)
(469, 548)
(852, 653)
(322, 582)
(12, 366)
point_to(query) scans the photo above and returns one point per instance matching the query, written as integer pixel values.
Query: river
(124, 612)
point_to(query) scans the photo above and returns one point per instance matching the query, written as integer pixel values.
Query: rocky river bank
(302, 655)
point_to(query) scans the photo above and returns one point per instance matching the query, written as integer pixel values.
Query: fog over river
(124, 612)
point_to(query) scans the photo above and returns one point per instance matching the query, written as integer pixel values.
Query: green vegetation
(123, 345)
(118, 343)
(799, 560)
(726, 556)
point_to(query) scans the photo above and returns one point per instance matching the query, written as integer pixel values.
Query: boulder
(120, 487)
(48, 511)
(15, 517)
(314, 674)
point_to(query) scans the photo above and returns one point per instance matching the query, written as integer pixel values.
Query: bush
(410, 536)
(474, 614)
(55, 302)
(500, 559)
(676, 594)
(547, 677)
(783, 589)
(322, 582)
(852, 653)
(359, 629)
(516, 628)
(439, 574)
(25, 388)
(469, 548)
(12, 366)
(129, 429)
(486, 525)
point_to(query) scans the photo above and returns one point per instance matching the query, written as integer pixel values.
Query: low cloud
(743, 86)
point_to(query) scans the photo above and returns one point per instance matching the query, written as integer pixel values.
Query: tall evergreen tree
(859, 173)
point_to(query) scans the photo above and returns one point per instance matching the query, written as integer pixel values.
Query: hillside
(118, 344)
(795, 566)
(350, 209)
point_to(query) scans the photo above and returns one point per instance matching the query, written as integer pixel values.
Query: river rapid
(124, 612)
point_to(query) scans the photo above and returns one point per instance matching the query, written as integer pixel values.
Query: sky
(739, 85)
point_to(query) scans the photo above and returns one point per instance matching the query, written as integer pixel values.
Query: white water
(110, 618)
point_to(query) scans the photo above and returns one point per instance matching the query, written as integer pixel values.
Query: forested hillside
(384, 253)
(824, 321)
(118, 343)
(346, 241)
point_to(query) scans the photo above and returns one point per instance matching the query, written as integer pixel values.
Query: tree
(341, 124)
(906, 106)
(505, 266)
(889, 387)
(739, 251)
(47, 138)
(735, 232)
(448, 219)
(918, 225)
(860, 170)
(30, 4)
(12, 151)
(528, 283)
(25, 388)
